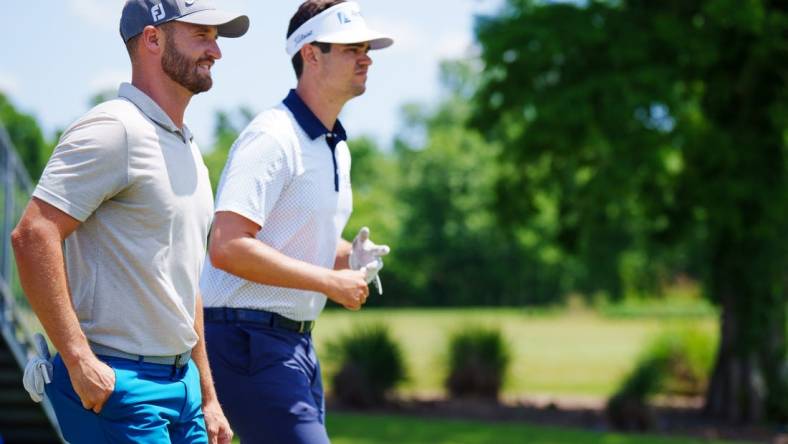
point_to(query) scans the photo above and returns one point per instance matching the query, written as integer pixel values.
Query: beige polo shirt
(140, 188)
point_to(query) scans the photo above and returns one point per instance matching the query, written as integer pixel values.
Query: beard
(183, 70)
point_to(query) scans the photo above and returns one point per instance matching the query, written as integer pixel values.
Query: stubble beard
(182, 70)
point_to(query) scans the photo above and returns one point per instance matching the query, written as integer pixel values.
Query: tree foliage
(655, 127)
(229, 125)
(26, 136)
(449, 250)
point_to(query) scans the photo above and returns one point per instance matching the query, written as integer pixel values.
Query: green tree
(26, 136)
(375, 178)
(229, 125)
(657, 126)
(450, 250)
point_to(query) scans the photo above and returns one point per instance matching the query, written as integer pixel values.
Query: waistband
(227, 314)
(177, 361)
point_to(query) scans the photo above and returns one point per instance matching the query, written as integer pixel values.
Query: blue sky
(58, 53)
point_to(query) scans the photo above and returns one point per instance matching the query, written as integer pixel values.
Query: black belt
(175, 360)
(227, 314)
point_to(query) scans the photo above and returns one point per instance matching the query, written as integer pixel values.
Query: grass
(560, 353)
(577, 353)
(380, 429)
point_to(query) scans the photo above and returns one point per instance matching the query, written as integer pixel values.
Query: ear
(152, 39)
(309, 53)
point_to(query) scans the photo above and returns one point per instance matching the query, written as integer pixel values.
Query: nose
(214, 51)
(365, 60)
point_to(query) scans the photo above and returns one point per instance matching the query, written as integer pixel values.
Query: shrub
(687, 356)
(676, 363)
(478, 360)
(370, 365)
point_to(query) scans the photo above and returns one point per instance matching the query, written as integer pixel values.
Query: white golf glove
(367, 255)
(38, 370)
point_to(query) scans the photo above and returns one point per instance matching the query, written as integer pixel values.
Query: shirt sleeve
(256, 173)
(88, 166)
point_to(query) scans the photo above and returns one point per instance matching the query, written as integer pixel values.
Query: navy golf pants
(268, 382)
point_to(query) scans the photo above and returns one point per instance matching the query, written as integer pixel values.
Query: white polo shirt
(283, 174)
(140, 188)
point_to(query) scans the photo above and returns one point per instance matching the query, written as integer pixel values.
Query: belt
(175, 360)
(227, 314)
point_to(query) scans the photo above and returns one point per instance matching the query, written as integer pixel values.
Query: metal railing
(17, 322)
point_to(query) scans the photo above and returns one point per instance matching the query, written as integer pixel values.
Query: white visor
(340, 23)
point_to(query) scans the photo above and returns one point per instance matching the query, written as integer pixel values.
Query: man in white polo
(275, 252)
(128, 193)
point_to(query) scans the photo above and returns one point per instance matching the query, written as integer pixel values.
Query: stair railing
(17, 321)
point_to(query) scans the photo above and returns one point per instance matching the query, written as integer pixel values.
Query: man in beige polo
(127, 193)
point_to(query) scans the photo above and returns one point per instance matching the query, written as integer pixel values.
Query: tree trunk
(748, 381)
(736, 391)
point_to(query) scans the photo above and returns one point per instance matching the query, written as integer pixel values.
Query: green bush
(478, 360)
(370, 365)
(674, 363)
(688, 356)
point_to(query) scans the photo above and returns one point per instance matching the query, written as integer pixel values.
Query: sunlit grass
(379, 429)
(347, 428)
(561, 352)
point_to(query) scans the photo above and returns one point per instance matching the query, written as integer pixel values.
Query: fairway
(553, 353)
(345, 428)
(378, 429)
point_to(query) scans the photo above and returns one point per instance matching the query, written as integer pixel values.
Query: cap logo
(343, 18)
(157, 12)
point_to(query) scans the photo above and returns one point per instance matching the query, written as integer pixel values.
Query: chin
(359, 90)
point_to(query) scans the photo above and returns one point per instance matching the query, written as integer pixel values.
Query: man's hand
(219, 431)
(94, 382)
(366, 254)
(348, 288)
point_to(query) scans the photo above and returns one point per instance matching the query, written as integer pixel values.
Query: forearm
(200, 356)
(39, 258)
(255, 261)
(342, 259)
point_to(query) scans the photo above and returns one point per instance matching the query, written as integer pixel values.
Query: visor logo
(189, 3)
(343, 18)
(301, 37)
(157, 12)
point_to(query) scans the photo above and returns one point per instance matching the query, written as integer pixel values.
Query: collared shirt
(140, 188)
(291, 176)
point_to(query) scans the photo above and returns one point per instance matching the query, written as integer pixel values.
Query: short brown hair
(131, 44)
(306, 11)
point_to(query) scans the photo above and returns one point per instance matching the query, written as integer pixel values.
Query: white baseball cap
(340, 23)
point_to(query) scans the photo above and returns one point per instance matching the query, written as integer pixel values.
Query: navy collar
(308, 121)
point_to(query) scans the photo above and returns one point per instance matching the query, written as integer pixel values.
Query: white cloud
(9, 85)
(453, 45)
(106, 13)
(101, 13)
(407, 37)
(108, 81)
(410, 38)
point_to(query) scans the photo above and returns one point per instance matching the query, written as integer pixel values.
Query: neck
(171, 96)
(321, 102)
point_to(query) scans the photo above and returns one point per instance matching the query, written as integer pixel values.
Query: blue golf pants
(151, 403)
(268, 382)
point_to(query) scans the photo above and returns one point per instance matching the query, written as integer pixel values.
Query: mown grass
(345, 428)
(379, 429)
(553, 352)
